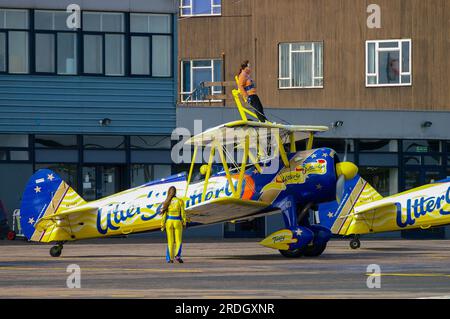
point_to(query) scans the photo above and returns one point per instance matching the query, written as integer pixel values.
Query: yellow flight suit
(173, 222)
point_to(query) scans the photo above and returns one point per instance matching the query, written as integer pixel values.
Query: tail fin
(334, 215)
(45, 194)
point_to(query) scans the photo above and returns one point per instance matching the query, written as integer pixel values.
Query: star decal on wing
(318, 186)
(31, 220)
(37, 189)
(50, 177)
(299, 232)
(330, 215)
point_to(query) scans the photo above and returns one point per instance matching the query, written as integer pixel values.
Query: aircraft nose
(346, 169)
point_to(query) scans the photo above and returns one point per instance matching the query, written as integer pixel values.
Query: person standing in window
(173, 221)
(247, 88)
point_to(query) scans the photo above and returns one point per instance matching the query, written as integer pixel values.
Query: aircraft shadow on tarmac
(403, 249)
(368, 254)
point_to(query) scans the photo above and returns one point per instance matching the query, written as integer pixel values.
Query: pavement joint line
(407, 275)
(106, 269)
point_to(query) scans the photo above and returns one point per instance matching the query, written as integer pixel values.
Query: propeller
(340, 188)
(345, 171)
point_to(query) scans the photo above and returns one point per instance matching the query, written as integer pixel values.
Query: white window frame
(377, 50)
(192, 68)
(290, 78)
(190, 8)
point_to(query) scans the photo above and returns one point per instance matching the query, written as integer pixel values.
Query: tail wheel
(314, 250)
(355, 243)
(11, 235)
(295, 253)
(56, 251)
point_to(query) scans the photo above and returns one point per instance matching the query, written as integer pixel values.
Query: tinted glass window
(421, 146)
(378, 145)
(151, 142)
(108, 142)
(55, 141)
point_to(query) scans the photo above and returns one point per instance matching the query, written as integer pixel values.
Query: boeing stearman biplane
(259, 172)
(362, 210)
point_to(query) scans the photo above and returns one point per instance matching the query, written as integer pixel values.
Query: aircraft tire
(56, 251)
(355, 243)
(296, 253)
(314, 250)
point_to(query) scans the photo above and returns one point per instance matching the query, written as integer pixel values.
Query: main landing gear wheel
(314, 250)
(355, 243)
(56, 251)
(296, 253)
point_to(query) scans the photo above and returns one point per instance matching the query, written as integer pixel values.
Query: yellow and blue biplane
(360, 209)
(254, 169)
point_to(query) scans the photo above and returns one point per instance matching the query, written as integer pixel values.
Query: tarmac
(136, 268)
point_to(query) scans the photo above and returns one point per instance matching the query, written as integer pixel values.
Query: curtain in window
(18, 51)
(67, 53)
(93, 54)
(302, 69)
(161, 55)
(114, 59)
(45, 52)
(140, 55)
(318, 59)
(284, 65)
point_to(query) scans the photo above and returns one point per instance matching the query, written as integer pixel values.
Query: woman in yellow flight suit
(173, 221)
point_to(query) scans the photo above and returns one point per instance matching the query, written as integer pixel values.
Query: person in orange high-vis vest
(173, 221)
(247, 88)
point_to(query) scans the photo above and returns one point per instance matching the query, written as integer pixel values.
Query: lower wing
(228, 209)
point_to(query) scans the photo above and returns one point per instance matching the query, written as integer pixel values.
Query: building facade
(378, 75)
(95, 102)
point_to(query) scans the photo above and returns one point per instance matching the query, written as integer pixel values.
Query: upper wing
(227, 209)
(230, 132)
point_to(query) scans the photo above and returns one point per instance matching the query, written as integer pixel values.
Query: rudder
(45, 194)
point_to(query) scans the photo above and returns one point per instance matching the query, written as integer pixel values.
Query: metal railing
(203, 94)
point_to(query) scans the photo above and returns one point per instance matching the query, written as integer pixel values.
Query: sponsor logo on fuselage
(421, 206)
(301, 172)
(278, 239)
(113, 216)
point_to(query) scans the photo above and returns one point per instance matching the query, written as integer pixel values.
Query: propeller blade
(340, 188)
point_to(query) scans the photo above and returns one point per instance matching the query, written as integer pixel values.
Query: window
(150, 142)
(194, 73)
(14, 48)
(14, 147)
(55, 141)
(103, 142)
(300, 65)
(151, 44)
(55, 44)
(107, 44)
(378, 146)
(200, 7)
(422, 146)
(12, 140)
(150, 23)
(388, 63)
(104, 43)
